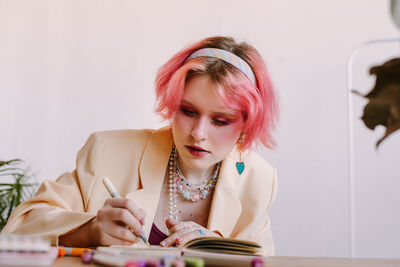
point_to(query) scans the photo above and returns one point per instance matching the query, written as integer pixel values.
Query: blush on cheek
(181, 122)
(181, 126)
(227, 135)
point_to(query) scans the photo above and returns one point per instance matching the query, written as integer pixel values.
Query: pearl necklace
(178, 183)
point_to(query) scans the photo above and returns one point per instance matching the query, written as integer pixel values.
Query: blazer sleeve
(262, 232)
(59, 207)
(255, 222)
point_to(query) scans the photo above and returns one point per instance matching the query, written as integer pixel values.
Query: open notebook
(224, 245)
(214, 252)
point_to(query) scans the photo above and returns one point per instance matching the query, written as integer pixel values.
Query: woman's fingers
(108, 233)
(183, 232)
(129, 205)
(119, 222)
(121, 233)
(180, 241)
(172, 239)
(120, 218)
(170, 223)
(180, 238)
(106, 239)
(189, 225)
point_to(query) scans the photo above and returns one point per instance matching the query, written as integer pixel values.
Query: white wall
(68, 68)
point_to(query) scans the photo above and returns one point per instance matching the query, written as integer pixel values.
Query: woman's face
(204, 128)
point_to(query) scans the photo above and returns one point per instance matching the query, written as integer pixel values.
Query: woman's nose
(199, 131)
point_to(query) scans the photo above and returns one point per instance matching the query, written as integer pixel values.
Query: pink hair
(258, 104)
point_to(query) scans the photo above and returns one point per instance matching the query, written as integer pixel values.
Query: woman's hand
(183, 232)
(118, 222)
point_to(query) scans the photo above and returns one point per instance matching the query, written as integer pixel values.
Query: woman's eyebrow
(187, 103)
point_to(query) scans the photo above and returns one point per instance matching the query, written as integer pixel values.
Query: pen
(72, 251)
(114, 193)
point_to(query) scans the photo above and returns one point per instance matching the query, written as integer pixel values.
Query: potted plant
(19, 185)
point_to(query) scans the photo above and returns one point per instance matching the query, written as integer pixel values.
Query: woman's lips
(197, 151)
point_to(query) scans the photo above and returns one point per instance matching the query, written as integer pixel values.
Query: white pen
(114, 193)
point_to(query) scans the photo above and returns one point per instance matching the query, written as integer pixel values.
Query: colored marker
(77, 252)
(142, 263)
(257, 262)
(194, 262)
(87, 257)
(114, 193)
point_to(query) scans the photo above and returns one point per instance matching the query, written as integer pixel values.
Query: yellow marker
(114, 193)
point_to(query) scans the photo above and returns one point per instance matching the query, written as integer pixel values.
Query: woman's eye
(188, 112)
(220, 122)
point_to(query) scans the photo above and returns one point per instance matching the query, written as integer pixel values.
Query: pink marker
(257, 262)
(87, 257)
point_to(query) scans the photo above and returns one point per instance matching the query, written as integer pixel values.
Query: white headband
(227, 57)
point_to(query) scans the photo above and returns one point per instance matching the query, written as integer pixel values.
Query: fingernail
(178, 240)
(163, 243)
(142, 221)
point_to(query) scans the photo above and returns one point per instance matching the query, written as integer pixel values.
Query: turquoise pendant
(240, 167)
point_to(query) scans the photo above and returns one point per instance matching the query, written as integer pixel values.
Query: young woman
(197, 177)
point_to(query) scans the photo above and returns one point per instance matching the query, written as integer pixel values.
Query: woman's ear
(240, 141)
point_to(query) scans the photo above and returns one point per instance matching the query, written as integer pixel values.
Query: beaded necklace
(178, 183)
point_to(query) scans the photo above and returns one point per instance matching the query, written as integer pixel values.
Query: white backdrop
(68, 68)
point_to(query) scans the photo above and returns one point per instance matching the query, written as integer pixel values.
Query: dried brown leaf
(383, 107)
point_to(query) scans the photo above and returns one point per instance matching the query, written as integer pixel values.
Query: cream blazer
(136, 161)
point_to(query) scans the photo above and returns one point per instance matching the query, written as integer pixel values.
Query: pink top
(156, 236)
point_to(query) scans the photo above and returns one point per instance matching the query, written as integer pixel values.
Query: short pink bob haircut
(258, 104)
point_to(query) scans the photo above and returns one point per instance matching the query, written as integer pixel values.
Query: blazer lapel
(225, 206)
(152, 169)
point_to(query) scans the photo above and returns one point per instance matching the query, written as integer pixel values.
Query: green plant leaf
(12, 194)
(9, 162)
